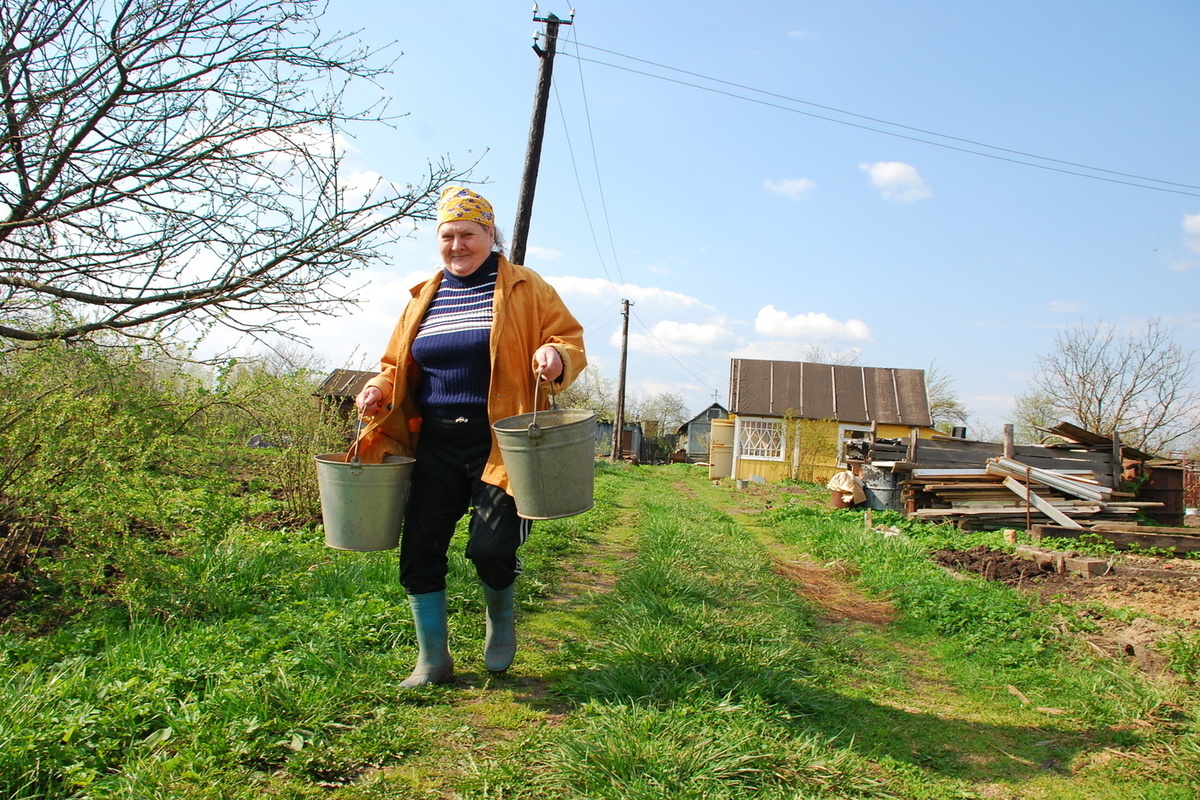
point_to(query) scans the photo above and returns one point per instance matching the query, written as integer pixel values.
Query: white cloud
(1065, 307)
(677, 337)
(898, 181)
(1191, 232)
(542, 253)
(812, 326)
(798, 34)
(598, 288)
(792, 188)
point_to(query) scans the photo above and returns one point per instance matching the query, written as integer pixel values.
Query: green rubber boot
(500, 642)
(434, 664)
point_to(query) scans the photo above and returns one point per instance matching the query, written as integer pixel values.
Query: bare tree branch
(1140, 385)
(945, 409)
(168, 161)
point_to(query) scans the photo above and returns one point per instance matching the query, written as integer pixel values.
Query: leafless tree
(945, 408)
(1139, 384)
(171, 161)
(590, 390)
(668, 410)
(1033, 413)
(823, 353)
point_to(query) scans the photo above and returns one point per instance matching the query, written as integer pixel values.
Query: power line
(596, 164)
(1010, 158)
(583, 196)
(607, 221)
(705, 381)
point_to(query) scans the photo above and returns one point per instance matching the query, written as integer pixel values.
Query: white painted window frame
(741, 428)
(848, 428)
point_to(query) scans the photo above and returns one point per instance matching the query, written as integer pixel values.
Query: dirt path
(829, 587)
(497, 718)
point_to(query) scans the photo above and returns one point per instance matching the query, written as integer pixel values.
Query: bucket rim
(341, 458)
(519, 423)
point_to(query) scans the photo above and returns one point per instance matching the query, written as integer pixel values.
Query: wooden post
(619, 415)
(537, 129)
(1118, 465)
(1010, 447)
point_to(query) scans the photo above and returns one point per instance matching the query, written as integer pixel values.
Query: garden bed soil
(1157, 598)
(1167, 588)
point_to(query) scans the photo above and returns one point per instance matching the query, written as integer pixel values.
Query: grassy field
(680, 640)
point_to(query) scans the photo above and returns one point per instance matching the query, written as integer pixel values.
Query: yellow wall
(770, 470)
(811, 451)
(902, 432)
(817, 456)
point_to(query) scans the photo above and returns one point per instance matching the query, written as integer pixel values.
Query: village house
(340, 387)
(791, 419)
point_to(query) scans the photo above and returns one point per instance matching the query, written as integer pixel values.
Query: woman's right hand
(369, 401)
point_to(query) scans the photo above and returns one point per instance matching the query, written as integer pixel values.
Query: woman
(483, 340)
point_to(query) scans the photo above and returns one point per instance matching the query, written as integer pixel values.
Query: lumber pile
(1069, 483)
(1007, 493)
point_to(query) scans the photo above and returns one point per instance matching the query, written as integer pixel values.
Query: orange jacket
(527, 313)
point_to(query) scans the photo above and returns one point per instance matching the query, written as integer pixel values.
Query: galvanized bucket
(362, 505)
(550, 457)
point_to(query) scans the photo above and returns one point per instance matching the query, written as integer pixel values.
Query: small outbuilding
(792, 418)
(340, 387)
(695, 435)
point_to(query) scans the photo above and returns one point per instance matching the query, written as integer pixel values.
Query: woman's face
(464, 246)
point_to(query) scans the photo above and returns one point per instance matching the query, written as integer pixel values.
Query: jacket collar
(506, 275)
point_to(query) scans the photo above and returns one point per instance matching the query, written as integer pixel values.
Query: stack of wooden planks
(980, 485)
(1010, 493)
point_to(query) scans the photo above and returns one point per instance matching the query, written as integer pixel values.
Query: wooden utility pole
(619, 417)
(537, 130)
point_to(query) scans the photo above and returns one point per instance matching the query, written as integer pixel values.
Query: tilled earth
(1162, 593)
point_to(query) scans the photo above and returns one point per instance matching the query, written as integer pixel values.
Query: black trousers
(446, 485)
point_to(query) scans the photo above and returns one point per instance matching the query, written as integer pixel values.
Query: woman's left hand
(548, 363)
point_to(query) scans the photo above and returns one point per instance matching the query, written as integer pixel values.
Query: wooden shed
(791, 418)
(340, 387)
(695, 434)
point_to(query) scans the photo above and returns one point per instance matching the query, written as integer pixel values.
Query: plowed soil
(1162, 593)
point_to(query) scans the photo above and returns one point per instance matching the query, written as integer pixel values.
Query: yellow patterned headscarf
(460, 203)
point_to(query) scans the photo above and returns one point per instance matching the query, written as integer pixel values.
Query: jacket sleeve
(563, 331)
(385, 381)
(393, 430)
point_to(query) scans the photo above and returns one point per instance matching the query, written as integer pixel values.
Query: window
(845, 434)
(761, 438)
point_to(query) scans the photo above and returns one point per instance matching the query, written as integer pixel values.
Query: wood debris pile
(990, 485)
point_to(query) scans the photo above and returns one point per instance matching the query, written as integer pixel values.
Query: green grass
(1075, 726)
(193, 638)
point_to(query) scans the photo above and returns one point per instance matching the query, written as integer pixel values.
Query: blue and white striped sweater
(452, 346)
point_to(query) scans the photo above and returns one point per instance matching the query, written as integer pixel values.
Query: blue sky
(754, 228)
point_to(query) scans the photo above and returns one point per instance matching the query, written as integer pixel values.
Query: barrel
(881, 487)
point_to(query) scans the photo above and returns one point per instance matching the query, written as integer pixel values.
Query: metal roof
(828, 391)
(344, 383)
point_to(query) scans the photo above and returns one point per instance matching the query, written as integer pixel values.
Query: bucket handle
(535, 432)
(353, 459)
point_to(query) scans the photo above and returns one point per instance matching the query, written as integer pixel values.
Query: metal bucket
(362, 505)
(551, 462)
